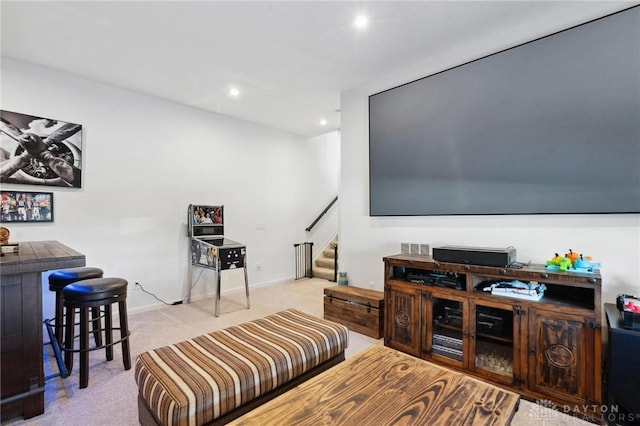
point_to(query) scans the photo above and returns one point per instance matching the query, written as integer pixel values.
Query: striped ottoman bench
(216, 377)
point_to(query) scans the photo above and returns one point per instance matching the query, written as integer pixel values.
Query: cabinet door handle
(532, 349)
(544, 275)
(503, 271)
(592, 280)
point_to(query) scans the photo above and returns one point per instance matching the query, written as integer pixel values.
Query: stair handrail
(321, 215)
(335, 262)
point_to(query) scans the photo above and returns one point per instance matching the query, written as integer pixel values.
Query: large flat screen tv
(547, 127)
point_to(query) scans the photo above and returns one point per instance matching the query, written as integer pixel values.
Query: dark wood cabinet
(548, 349)
(558, 355)
(443, 335)
(21, 346)
(495, 347)
(21, 355)
(402, 316)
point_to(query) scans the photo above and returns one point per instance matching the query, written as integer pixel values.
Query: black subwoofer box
(483, 256)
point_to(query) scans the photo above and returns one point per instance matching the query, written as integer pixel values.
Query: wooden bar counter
(21, 357)
(382, 386)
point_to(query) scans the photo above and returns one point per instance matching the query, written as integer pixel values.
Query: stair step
(325, 273)
(329, 252)
(324, 262)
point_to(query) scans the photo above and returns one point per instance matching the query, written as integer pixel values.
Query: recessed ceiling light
(323, 122)
(234, 92)
(361, 21)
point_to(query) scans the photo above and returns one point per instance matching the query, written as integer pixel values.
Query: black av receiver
(438, 279)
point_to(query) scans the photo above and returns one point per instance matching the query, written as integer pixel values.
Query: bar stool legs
(84, 349)
(59, 315)
(124, 327)
(124, 334)
(85, 296)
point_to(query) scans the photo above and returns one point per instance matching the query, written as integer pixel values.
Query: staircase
(324, 265)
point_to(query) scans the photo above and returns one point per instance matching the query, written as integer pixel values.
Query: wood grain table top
(39, 256)
(382, 386)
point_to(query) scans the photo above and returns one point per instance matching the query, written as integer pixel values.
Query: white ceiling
(290, 59)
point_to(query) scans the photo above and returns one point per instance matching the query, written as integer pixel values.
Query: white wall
(326, 151)
(613, 240)
(145, 160)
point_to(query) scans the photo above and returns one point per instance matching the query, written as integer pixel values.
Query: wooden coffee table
(382, 386)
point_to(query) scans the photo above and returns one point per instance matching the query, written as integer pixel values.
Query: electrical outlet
(137, 286)
(258, 266)
(372, 284)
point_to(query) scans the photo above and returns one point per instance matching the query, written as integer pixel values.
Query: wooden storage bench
(360, 309)
(216, 377)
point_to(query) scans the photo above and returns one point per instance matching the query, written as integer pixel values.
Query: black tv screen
(547, 127)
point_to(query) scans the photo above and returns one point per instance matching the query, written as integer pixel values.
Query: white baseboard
(211, 295)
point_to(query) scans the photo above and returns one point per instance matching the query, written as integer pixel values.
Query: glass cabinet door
(447, 330)
(493, 341)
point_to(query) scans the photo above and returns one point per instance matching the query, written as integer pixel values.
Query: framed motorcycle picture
(40, 151)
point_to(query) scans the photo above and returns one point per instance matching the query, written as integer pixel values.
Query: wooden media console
(547, 350)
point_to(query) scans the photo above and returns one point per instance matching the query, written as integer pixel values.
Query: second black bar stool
(95, 293)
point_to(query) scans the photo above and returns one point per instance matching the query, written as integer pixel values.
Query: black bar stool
(94, 293)
(60, 279)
